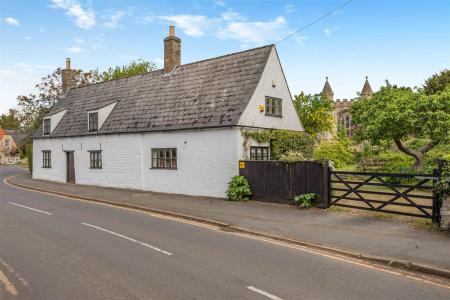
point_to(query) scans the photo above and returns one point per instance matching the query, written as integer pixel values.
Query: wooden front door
(70, 178)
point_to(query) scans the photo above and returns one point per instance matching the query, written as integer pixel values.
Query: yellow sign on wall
(242, 165)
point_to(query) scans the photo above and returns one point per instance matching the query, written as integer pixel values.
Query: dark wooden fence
(280, 182)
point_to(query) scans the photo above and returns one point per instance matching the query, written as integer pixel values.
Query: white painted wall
(252, 115)
(207, 159)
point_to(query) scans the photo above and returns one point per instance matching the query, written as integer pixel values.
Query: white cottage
(174, 130)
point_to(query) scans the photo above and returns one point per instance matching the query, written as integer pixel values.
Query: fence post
(436, 213)
(324, 202)
(443, 202)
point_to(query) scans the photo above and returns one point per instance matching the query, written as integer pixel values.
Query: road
(53, 247)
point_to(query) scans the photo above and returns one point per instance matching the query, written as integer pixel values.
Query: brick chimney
(67, 78)
(172, 51)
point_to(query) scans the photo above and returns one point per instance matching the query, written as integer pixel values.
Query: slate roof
(208, 93)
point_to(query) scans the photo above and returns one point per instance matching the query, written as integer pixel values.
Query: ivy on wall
(282, 141)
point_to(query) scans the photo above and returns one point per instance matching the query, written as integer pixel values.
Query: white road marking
(128, 238)
(403, 273)
(10, 288)
(264, 293)
(30, 208)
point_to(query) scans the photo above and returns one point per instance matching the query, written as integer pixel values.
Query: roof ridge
(154, 71)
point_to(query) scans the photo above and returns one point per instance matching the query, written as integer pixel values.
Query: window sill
(156, 168)
(271, 115)
(97, 168)
(46, 167)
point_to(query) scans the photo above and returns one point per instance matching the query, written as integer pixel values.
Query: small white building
(174, 130)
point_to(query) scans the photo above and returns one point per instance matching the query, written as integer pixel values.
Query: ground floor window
(46, 159)
(259, 153)
(95, 159)
(164, 158)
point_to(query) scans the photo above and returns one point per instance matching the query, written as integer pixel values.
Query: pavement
(52, 247)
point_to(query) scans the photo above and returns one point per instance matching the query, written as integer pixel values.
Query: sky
(404, 41)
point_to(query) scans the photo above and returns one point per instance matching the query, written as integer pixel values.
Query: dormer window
(47, 126)
(93, 121)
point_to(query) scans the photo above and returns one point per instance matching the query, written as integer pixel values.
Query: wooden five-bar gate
(403, 194)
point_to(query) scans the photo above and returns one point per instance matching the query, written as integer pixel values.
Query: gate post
(324, 201)
(443, 202)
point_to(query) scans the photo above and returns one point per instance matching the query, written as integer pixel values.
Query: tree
(35, 106)
(437, 83)
(315, 113)
(10, 120)
(135, 67)
(399, 113)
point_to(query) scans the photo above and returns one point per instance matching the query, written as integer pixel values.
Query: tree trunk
(417, 154)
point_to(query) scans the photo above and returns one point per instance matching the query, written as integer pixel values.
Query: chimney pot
(171, 30)
(68, 63)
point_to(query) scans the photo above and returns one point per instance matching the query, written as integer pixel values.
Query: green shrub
(283, 141)
(305, 200)
(339, 153)
(292, 156)
(238, 189)
(30, 157)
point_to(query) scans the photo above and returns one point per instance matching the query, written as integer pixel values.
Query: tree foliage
(437, 83)
(10, 120)
(35, 106)
(135, 67)
(399, 113)
(315, 112)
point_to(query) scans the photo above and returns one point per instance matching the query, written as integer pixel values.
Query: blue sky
(403, 41)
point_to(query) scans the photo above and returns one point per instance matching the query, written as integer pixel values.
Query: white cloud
(42, 30)
(79, 41)
(253, 32)
(113, 19)
(83, 18)
(220, 3)
(330, 31)
(192, 25)
(75, 50)
(12, 21)
(290, 8)
(231, 15)
(27, 38)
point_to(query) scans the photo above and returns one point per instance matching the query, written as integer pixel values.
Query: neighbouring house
(342, 117)
(10, 142)
(174, 130)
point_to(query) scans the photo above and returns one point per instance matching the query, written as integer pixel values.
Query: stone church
(341, 112)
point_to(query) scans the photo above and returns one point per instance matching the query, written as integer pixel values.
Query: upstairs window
(93, 121)
(95, 159)
(273, 107)
(164, 158)
(46, 126)
(259, 153)
(46, 159)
